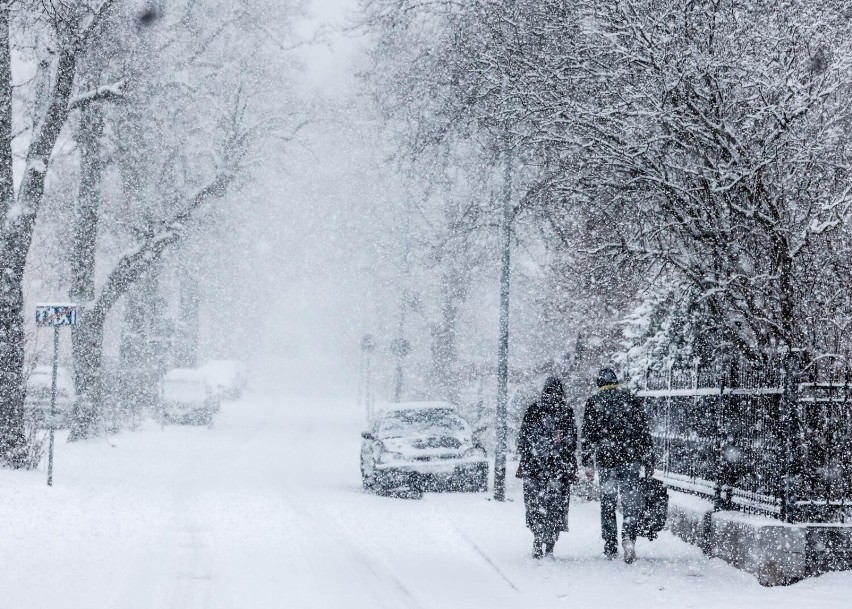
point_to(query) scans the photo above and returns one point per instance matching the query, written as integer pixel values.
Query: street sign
(55, 315)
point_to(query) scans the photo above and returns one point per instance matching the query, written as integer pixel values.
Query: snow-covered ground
(266, 511)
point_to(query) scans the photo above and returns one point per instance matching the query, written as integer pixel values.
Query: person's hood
(552, 397)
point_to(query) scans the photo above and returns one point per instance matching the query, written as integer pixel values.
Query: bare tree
(74, 28)
(722, 157)
(162, 143)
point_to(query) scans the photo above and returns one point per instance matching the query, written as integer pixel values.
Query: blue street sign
(47, 316)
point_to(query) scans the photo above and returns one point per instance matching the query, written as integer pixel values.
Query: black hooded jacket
(547, 442)
(615, 430)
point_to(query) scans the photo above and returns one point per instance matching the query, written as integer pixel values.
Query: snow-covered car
(227, 377)
(187, 397)
(37, 401)
(422, 445)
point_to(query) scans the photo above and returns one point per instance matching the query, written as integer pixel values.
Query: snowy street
(253, 251)
(266, 510)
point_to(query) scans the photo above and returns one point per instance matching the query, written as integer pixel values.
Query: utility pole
(400, 346)
(505, 267)
(503, 341)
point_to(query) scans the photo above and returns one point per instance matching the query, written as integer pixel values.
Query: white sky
(329, 66)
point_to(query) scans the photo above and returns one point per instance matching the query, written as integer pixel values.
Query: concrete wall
(775, 552)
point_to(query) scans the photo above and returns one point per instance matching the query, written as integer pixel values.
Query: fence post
(789, 427)
(695, 374)
(843, 415)
(720, 500)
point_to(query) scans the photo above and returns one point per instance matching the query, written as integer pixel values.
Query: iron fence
(774, 439)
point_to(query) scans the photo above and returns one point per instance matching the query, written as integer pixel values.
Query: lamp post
(503, 334)
(505, 268)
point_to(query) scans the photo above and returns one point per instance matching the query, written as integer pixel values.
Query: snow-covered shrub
(669, 327)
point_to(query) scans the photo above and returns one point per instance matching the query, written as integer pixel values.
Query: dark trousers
(546, 503)
(624, 480)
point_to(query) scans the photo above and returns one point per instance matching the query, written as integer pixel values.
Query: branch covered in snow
(111, 92)
(134, 262)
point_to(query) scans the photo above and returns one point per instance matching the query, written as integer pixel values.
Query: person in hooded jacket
(547, 444)
(617, 438)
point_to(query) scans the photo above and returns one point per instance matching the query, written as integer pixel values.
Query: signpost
(54, 316)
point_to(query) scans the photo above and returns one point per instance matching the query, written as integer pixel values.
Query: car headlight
(476, 451)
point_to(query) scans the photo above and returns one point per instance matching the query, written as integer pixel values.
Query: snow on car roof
(397, 406)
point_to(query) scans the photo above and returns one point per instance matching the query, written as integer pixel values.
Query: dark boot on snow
(611, 550)
(537, 551)
(548, 548)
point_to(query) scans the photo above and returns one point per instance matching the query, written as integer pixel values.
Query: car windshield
(415, 422)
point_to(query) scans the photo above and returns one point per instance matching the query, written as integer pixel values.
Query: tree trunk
(89, 135)
(87, 346)
(12, 437)
(7, 190)
(86, 340)
(143, 357)
(15, 241)
(787, 297)
(444, 349)
(186, 352)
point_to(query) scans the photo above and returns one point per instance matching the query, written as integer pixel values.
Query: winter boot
(548, 548)
(536, 551)
(629, 551)
(611, 550)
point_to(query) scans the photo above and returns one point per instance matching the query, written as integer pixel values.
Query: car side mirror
(367, 435)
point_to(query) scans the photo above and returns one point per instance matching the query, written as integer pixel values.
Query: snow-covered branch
(111, 92)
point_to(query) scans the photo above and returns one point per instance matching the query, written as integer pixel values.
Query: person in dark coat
(617, 438)
(547, 444)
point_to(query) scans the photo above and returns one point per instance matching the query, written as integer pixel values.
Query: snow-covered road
(266, 511)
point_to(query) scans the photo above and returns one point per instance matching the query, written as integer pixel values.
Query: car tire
(369, 482)
(477, 482)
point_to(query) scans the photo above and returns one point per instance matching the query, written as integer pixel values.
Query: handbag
(654, 507)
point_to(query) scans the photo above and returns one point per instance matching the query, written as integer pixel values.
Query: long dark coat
(615, 430)
(547, 445)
